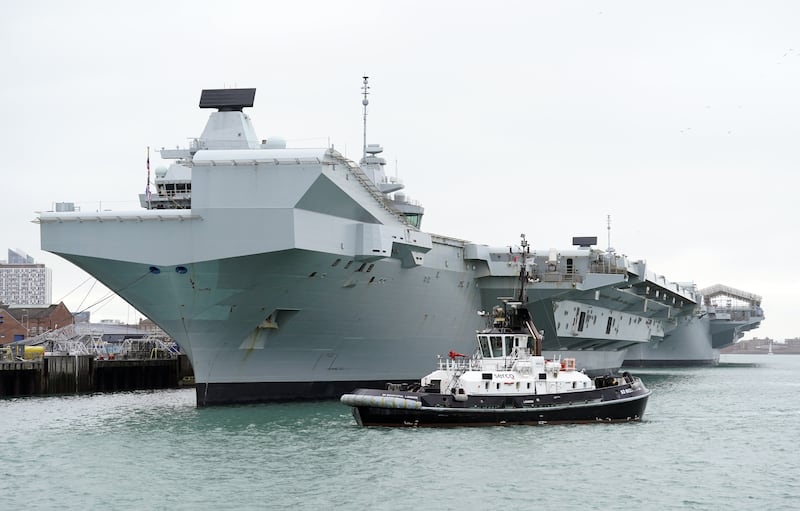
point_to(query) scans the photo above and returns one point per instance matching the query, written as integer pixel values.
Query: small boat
(506, 381)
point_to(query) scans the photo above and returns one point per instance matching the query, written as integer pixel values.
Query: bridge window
(497, 346)
(484, 344)
(509, 346)
(414, 219)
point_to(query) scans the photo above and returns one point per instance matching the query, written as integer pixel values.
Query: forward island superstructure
(290, 273)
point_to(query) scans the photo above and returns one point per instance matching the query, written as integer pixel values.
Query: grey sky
(679, 119)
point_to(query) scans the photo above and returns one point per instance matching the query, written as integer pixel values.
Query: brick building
(17, 323)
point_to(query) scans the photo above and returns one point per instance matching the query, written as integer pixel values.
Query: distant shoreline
(776, 350)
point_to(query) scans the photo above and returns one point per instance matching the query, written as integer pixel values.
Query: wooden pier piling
(77, 374)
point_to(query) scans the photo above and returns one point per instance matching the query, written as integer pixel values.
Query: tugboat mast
(523, 271)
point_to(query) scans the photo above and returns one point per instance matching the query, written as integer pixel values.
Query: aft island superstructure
(721, 319)
(289, 273)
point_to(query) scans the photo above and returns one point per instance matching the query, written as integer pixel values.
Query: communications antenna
(608, 225)
(365, 102)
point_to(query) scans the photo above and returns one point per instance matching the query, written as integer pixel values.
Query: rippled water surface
(713, 438)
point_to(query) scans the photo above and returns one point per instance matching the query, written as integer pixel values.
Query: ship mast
(523, 271)
(365, 102)
(522, 316)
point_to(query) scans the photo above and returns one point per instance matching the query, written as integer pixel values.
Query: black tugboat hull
(383, 408)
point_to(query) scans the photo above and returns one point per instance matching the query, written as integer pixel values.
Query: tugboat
(507, 381)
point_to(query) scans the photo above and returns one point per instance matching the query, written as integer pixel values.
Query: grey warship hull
(261, 327)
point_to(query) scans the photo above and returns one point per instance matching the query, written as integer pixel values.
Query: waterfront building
(25, 283)
(19, 257)
(17, 323)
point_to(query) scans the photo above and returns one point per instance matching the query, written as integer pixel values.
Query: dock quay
(86, 358)
(79, 374)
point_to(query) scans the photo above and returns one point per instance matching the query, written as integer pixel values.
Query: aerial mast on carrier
(365, 102)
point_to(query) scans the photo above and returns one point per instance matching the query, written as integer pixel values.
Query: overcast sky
(680, 119)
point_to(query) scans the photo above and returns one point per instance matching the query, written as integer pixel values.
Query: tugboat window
(485, 351)
(497, 346)
(509, 346)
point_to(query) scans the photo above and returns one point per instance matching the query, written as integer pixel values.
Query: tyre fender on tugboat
(459, 394)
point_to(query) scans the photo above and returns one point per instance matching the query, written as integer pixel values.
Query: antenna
(365, 102)
(608, 224)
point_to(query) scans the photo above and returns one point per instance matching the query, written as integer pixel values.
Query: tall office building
(23, 282)
(19, 257)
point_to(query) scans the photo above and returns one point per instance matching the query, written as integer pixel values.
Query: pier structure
(79, 374)
(72, 360)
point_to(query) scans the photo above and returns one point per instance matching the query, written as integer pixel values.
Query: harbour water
(725, 437)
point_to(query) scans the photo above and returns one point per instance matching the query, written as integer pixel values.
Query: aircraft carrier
(291, 273)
